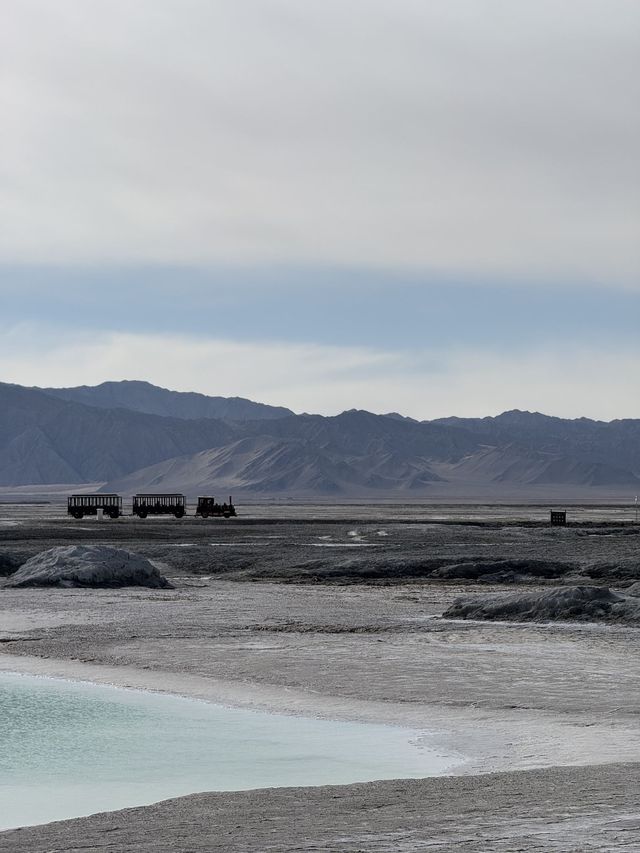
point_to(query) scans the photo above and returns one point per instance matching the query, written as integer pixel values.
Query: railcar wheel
(142, 513)
(204, 514)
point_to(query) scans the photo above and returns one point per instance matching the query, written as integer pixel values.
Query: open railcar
(144, 505)
(80, 505)
(148, 504)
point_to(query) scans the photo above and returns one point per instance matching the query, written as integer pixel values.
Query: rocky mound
(628, 569)
(584, 603)
(8, 564)
(88, 566)
(503, 571)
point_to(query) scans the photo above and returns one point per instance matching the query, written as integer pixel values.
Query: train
(149, 504)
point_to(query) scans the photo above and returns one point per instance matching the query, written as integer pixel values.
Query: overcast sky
(429, 206)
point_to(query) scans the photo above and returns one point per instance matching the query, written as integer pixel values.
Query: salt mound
(585, 603)
(503, 570)
(88, 565)
(620, 570)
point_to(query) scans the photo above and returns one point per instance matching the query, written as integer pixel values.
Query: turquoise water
(69, 749)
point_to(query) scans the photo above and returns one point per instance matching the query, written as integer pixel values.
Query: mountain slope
(359, 432)
(147, 398)
(46, 440)
(358, 453)
(616, 443)
(517, 465)
(265, 465)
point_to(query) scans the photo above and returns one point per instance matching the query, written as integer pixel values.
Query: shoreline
(381, 753)
(486, 741)
(250, 697)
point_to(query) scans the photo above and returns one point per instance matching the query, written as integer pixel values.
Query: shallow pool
(69, 749)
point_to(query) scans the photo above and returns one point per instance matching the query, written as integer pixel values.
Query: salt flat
(546, 713)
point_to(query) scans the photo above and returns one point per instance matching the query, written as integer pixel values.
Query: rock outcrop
(88, 566)
(504, 571)
(628, 569)
(582, 603)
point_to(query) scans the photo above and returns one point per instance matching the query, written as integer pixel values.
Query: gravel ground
(511, 697)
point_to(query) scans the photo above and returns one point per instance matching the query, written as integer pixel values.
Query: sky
(398, 205)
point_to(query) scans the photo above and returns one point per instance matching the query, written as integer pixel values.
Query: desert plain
(337, 612)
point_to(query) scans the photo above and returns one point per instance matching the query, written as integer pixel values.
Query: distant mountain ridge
(615, 443)
(46, 438)
(144, 397)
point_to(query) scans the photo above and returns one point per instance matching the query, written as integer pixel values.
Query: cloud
(328, 379)
(320, 306)
(486, 137)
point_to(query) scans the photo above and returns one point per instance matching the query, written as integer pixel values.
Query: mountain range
(151, 400)
(134, 436)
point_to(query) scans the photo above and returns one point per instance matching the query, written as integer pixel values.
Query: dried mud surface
(343, 619)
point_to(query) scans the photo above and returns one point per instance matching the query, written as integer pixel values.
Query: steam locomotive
(143, 505)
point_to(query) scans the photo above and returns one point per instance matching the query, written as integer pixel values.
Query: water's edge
(148, 745)
(253, 696)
